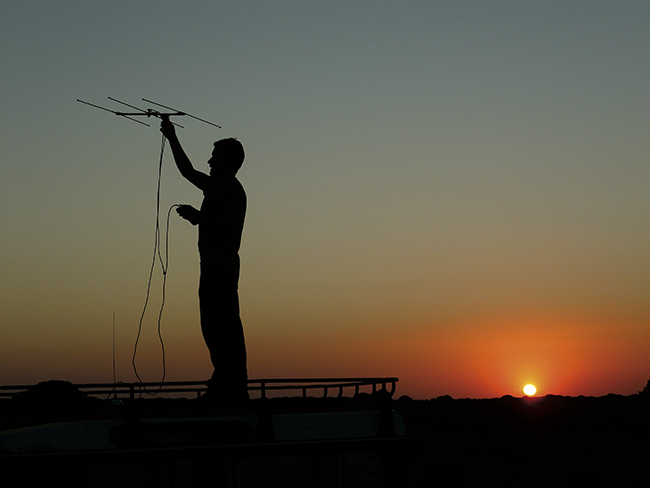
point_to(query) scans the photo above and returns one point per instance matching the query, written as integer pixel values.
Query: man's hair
(233, 152)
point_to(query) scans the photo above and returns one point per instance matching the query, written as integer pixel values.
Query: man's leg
(223, 333)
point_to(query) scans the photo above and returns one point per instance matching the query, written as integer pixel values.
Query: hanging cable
(164, 266)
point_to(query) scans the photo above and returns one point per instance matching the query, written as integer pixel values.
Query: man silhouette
(221, 222)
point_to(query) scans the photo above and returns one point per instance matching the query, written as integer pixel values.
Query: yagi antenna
(140, 112)
(146, 113)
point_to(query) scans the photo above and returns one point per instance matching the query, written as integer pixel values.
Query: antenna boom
(147, 113)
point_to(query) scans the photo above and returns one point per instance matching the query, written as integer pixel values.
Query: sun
(530, 390)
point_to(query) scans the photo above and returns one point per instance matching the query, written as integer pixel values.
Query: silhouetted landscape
(547, 441)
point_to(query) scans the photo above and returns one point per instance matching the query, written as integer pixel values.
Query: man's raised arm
(183, 163)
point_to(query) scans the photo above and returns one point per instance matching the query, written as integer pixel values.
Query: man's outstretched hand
(189, 213)
(167, 128)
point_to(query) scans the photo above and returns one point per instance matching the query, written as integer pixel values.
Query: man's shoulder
(235, 181)
(237, 187)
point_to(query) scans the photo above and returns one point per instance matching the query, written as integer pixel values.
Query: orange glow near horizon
(478, 358)
(495, 357)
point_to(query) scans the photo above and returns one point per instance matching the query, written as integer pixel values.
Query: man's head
(227, 157)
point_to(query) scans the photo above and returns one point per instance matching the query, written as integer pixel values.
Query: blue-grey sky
(442, 191)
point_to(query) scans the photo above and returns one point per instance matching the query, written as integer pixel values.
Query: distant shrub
(52, 393)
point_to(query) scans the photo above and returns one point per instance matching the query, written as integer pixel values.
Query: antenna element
(147, 113)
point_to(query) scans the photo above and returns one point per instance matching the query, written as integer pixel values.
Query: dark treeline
(547, 441)
(508, 441)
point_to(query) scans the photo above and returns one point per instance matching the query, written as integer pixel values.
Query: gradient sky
(453, 193)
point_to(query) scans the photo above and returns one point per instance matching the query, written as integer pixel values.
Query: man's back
(222, 222)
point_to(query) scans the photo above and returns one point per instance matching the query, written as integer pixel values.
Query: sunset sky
(453, 193)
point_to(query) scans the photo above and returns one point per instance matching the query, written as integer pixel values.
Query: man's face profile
(216, 162)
